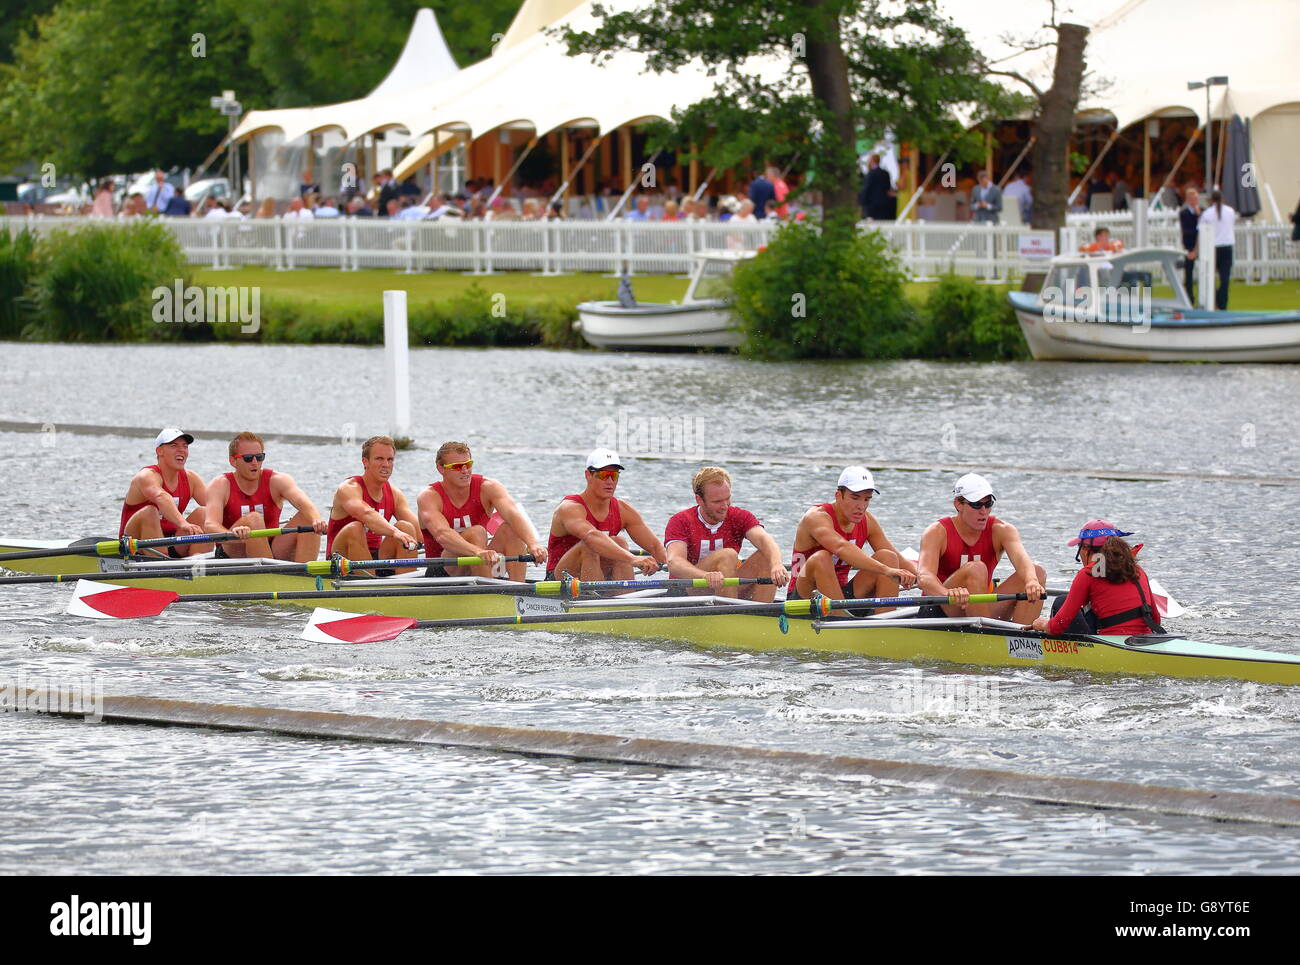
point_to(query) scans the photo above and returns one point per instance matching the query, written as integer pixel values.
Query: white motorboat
(699, 321)
(1131, 306)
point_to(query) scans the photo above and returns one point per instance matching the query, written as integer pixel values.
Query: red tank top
(240, 503)
(181, 494)
(467, 514)
(857, 536)
(957, 552)
(611, 526)
(386, 507)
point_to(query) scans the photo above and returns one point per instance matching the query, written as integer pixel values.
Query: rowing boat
(898, 635)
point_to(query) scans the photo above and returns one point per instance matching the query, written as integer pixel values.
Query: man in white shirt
(1224, 221)
(1022, 193)
(159, 193)
(298, 211)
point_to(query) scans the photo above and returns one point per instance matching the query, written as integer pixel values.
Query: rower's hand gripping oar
(334, 626)
(108, 601)
(130, 546)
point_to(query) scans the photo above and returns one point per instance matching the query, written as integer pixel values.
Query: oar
(129, 546)
(337, 568)
(109, 601)
(334, 626)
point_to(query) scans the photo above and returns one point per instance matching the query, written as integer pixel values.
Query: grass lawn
(340, 288)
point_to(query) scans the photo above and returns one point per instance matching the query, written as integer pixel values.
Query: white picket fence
(992, 253)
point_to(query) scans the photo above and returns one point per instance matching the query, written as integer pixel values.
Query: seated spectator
(357, 208)
(329, 208)
(412, 210)
(745, 212)
(135, 206)
(670, 211)
(266, 209)
(214, 210)
(641, 212)
(532, 209)
(298, 211)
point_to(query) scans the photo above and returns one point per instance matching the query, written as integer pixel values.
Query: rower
(252, 497)
(369, 515)
(1111, 593)
(155, 500)
(585, 528)
(467, 514)
(959, 554)
(703, 542)
(829, 542)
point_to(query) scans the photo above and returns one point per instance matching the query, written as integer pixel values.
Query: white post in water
(1139, 208)
(397, 367)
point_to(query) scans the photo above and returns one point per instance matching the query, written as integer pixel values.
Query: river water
(83, 798)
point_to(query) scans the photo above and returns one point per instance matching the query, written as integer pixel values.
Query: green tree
(299, 44)
(113, 85)
(20, 17)
(852, 68)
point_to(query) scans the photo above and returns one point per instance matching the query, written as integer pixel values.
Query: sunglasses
(254, 457)
(606, 474)
(982, 504)
(459, 466)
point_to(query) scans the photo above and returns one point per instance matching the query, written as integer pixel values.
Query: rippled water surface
(137, 799)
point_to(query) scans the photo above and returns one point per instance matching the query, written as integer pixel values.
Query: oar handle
(208, 538)
(433, 561)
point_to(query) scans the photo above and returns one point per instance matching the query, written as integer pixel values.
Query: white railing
(991, 253)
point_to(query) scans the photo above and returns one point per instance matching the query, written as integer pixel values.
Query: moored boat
(1131, 306)
(698, 321)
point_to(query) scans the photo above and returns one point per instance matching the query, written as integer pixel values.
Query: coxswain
(830, 541)
(704, 542)
(1111, 593)
(466, 514)
(252, 497)
(158, 495)
(585, 529)
(959, 554)
(369, 516)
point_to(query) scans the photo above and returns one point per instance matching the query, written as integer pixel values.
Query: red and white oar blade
(1166, 604)
(104, 601)
(333, 626)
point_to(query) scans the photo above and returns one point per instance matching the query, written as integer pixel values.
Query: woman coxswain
(1110, 583)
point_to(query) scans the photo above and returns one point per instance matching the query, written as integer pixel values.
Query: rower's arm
(402, 509)
(361, 511)
(501, 501)
(287, 491)
(927, 564)
(763, 540)
(435, 521)
(214, 508)
(151, 488)
(826, 534)
(641, 534)
(573, 518)
(879, 541)
(1006, 538)
(679, 565)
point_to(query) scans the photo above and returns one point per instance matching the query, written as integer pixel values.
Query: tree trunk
(828, 70)
(1054, 125)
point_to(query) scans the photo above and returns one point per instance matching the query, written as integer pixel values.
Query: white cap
(857, 479)
(604, 459)
(972, 487)
(171, 434)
